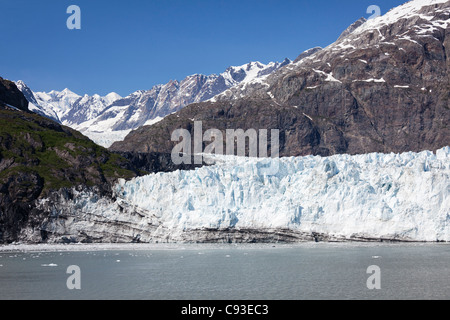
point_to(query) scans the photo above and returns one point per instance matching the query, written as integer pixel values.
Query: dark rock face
(10, 95)
(383, 89)
(156, 162)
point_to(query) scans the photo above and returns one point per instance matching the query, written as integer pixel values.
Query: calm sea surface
(224, 272)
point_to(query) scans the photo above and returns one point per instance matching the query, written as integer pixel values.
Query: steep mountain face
(223, 115)
(111, 118)
(66, 107)
(58, 101)
(87, 108)
(383, 87)
(38, 157)
(40, 108)
(338, 198)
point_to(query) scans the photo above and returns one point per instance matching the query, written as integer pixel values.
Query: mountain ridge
(381, 89)
(114, 116)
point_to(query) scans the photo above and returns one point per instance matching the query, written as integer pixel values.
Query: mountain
(110, 118)
(58, 101)
(34, 105)
(147, 107)
(382, 87)
(10, 96)
(352, 28)
(42, 161)
(88, 107)
(66, 107)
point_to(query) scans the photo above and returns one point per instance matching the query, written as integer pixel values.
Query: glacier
(372, 197)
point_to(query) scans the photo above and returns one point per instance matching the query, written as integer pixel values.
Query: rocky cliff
(110, 118)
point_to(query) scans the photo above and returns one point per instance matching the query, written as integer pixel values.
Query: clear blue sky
(124, 46)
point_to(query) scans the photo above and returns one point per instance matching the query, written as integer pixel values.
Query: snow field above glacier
(403, 196)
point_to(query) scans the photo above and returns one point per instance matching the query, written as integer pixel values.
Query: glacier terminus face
(403, 197)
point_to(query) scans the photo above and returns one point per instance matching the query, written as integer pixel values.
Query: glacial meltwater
(226, 272)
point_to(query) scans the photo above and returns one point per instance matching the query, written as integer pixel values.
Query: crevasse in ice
(376, 195)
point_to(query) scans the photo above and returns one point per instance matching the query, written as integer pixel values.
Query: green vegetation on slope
(60, 156)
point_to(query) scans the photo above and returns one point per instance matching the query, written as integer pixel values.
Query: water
(228, 272)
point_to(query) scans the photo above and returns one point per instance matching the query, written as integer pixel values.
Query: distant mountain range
(110, 118)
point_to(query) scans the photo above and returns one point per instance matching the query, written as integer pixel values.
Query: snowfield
(402, 196)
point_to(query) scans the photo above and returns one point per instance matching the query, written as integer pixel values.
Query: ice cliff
(343, 197)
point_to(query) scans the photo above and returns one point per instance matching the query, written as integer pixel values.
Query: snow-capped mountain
(148, 107)
(364, 197)
(382, 87)
(255, 80)
(110, 118)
